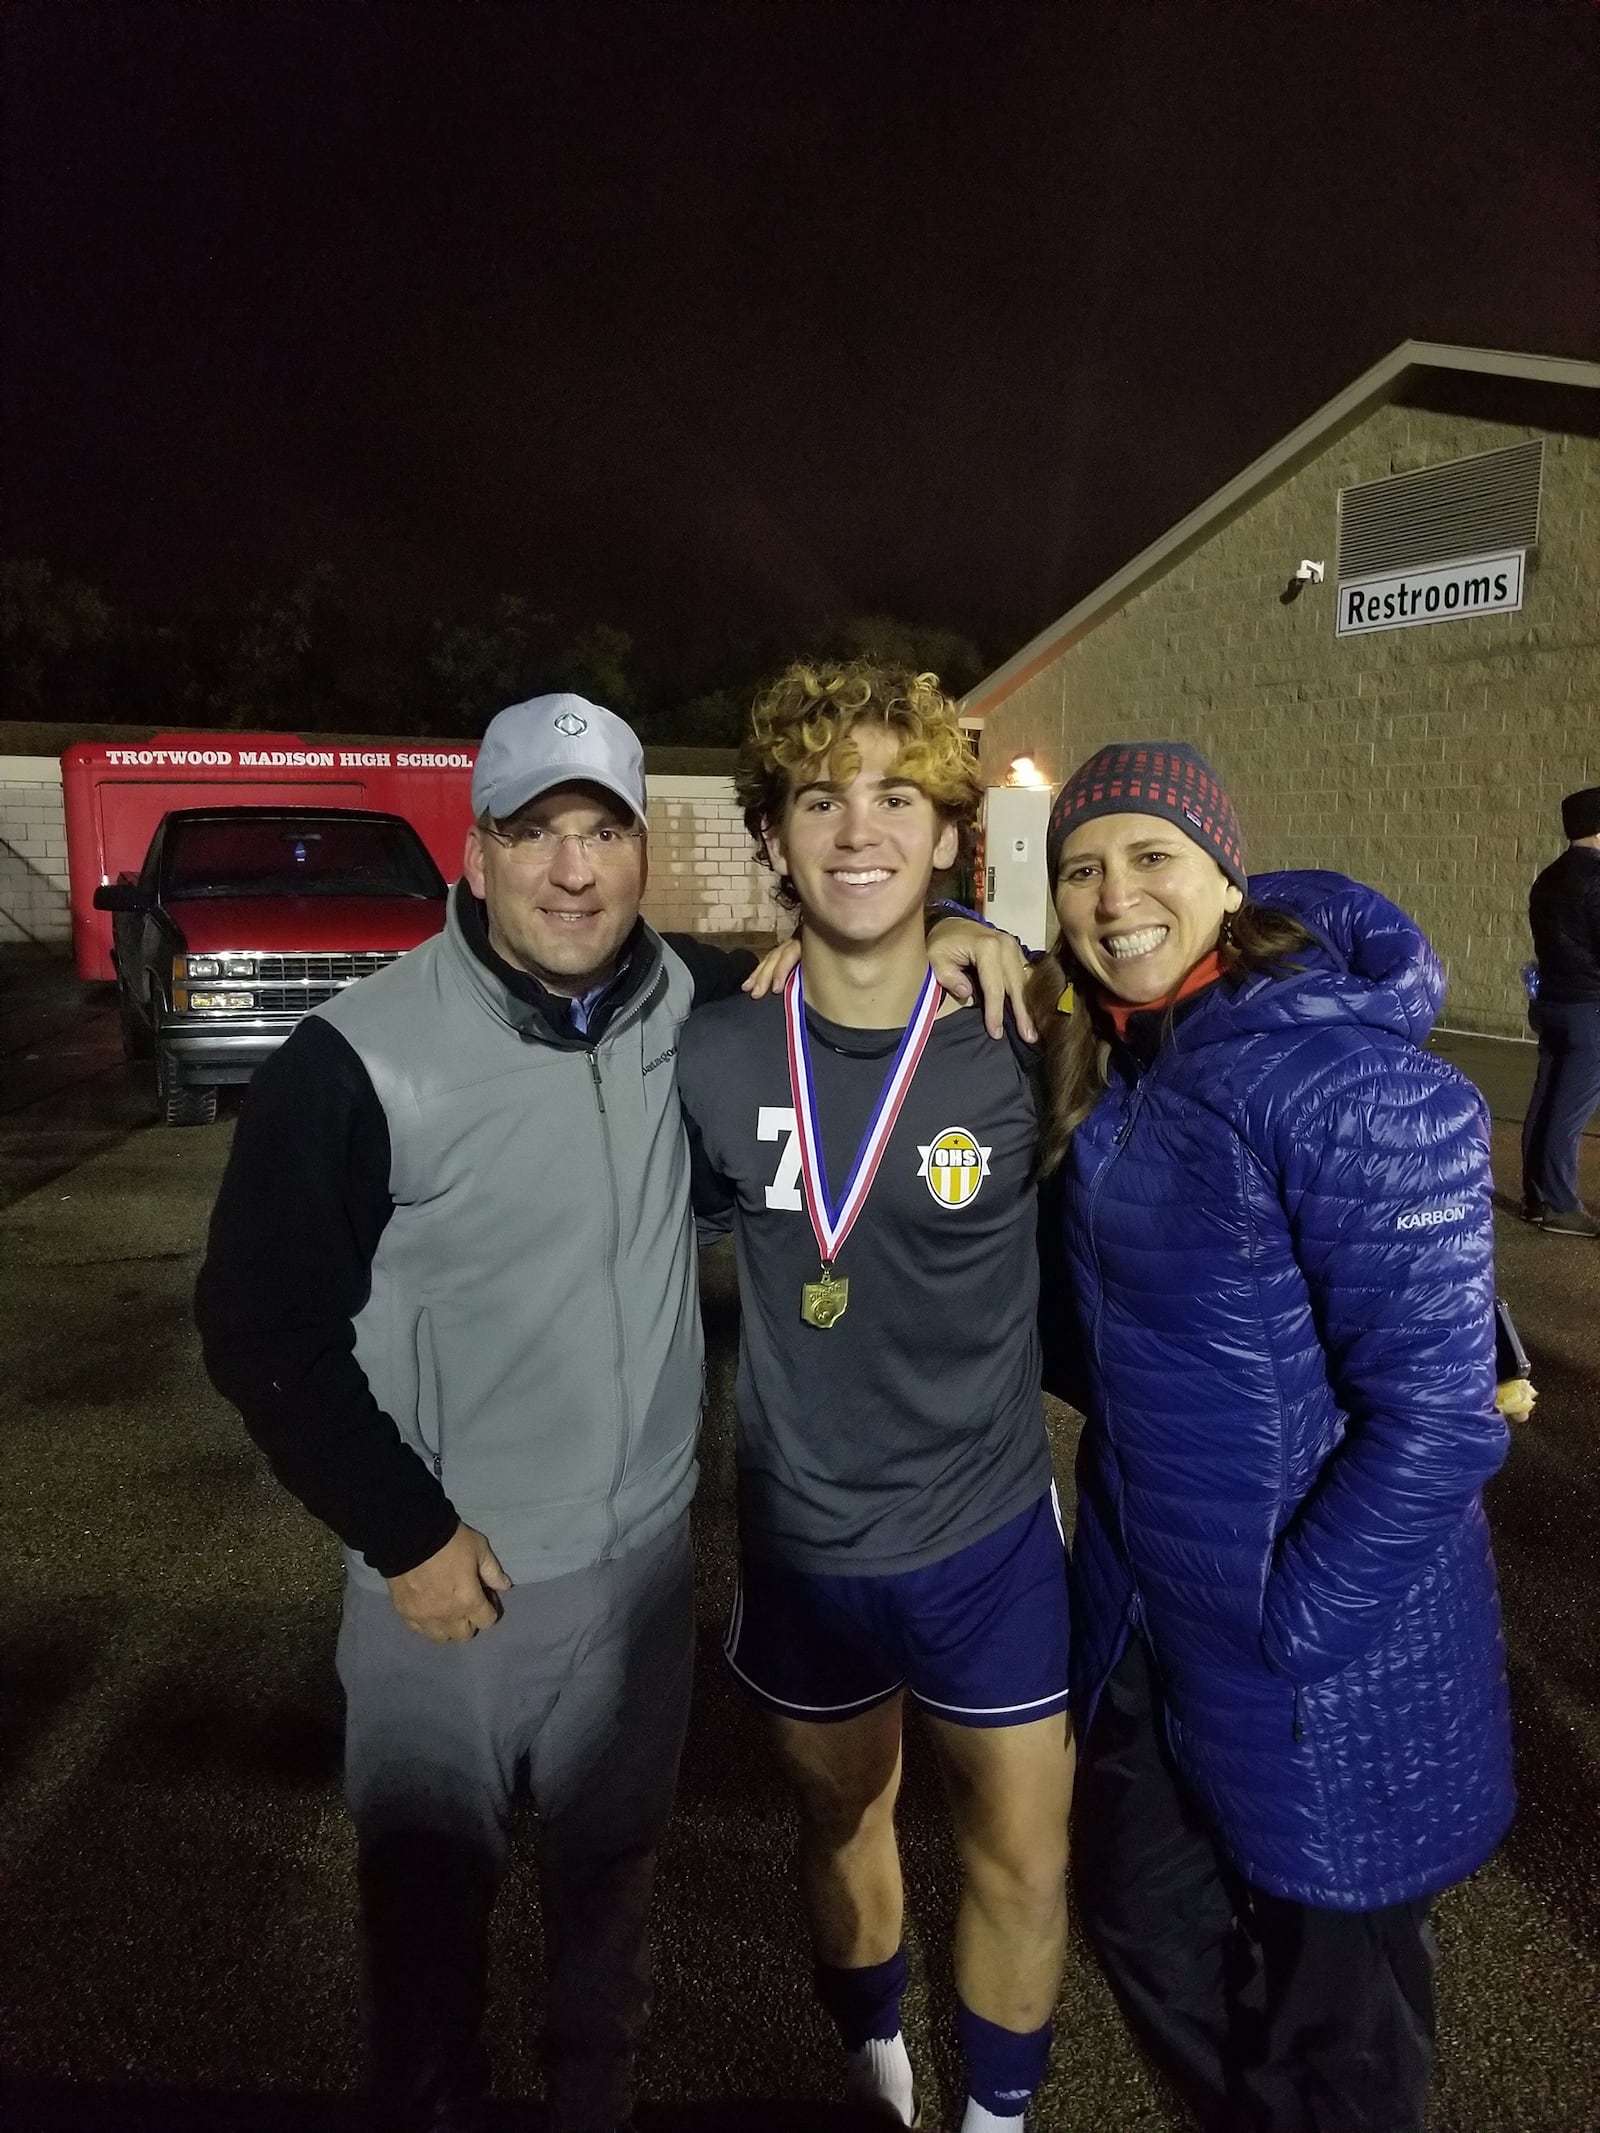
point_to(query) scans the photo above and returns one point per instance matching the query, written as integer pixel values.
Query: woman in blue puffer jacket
(1273, 1209)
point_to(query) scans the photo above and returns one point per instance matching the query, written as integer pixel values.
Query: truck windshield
(297, 855)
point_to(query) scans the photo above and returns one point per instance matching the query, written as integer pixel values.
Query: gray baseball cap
(555, 740)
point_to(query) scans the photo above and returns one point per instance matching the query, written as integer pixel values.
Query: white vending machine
(1016, 888)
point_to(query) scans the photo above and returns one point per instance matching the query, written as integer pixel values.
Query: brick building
(1412, 718)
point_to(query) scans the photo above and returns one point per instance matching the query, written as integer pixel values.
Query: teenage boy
(899, 1532)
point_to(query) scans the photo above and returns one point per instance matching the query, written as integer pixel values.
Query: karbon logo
(954, 1166)
(571, 724)
(1432, 1218)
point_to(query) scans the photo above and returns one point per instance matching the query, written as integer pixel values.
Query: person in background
(1564, 916)
(1271, 1211)
(899, 1535)
(451, 1287)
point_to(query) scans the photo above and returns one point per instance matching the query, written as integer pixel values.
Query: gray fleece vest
(533, 1325)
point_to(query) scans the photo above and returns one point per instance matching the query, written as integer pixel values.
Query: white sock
(978, 2120)
(881, 2072)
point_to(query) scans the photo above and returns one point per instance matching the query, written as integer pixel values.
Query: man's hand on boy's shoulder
(964, 954)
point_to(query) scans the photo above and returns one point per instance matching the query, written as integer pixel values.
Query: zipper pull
(1122, 1132)
(599, 1093)
(1299, 1720)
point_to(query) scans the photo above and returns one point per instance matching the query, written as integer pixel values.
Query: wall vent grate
(1466, 507)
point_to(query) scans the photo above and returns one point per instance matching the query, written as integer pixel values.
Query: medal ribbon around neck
(830, 1226)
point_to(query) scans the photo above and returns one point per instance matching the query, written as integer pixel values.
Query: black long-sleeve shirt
(1564, 917)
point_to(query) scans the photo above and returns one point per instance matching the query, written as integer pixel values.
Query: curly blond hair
(806, 717)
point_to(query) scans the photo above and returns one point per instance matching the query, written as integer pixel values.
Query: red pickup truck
(242, 919)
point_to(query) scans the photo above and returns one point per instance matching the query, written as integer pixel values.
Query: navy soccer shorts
(979, 1639)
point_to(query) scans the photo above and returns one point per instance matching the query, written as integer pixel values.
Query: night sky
(713, 319)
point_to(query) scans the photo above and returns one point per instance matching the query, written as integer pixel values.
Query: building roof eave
(1374, 388)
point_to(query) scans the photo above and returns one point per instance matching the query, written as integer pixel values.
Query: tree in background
(277, 659)
(955, 659)
(715, 717)
(478, 663)
(55, 635)
(284, 658)
(597, 664)
(279, 656)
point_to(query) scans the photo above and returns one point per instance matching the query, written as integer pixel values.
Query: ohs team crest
(954, 1166)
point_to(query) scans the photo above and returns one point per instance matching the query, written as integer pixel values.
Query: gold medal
(823, 1301)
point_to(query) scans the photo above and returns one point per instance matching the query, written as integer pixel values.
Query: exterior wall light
(1309, 572)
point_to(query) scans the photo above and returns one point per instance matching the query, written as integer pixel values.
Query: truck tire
(180, 1104)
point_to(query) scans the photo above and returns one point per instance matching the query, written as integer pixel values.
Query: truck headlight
(197, 966)
(219, 1003)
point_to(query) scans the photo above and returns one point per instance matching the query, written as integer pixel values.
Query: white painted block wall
(33, 853)
(704, 876)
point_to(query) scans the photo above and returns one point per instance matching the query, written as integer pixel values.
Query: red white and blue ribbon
(832, 1225)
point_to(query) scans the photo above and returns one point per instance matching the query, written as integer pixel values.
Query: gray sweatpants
(581, 1691)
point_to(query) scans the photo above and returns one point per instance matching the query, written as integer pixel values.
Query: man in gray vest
(451, 1287)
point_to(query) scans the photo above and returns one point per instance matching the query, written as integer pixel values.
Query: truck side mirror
(120, 896)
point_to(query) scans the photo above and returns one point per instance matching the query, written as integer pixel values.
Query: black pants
(1267, 2016)
(1566, 1089)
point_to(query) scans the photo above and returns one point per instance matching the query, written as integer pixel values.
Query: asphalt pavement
(176, 1875)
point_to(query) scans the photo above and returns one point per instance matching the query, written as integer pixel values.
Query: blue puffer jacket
(1278, 1239)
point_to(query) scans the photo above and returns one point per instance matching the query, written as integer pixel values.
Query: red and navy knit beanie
(1166, 778)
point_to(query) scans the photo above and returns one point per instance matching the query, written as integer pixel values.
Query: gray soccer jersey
(914, 1426)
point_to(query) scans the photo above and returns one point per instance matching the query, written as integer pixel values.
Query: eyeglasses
(535, 845)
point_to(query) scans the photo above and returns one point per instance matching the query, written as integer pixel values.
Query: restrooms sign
(1443, 592)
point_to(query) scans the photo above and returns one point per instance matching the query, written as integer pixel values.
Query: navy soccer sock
(1004, 2066)
(865, 2002)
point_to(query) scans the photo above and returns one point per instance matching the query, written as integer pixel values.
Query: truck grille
(293, 999)
(331, 972)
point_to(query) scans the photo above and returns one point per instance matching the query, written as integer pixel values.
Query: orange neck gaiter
(1205, 972)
